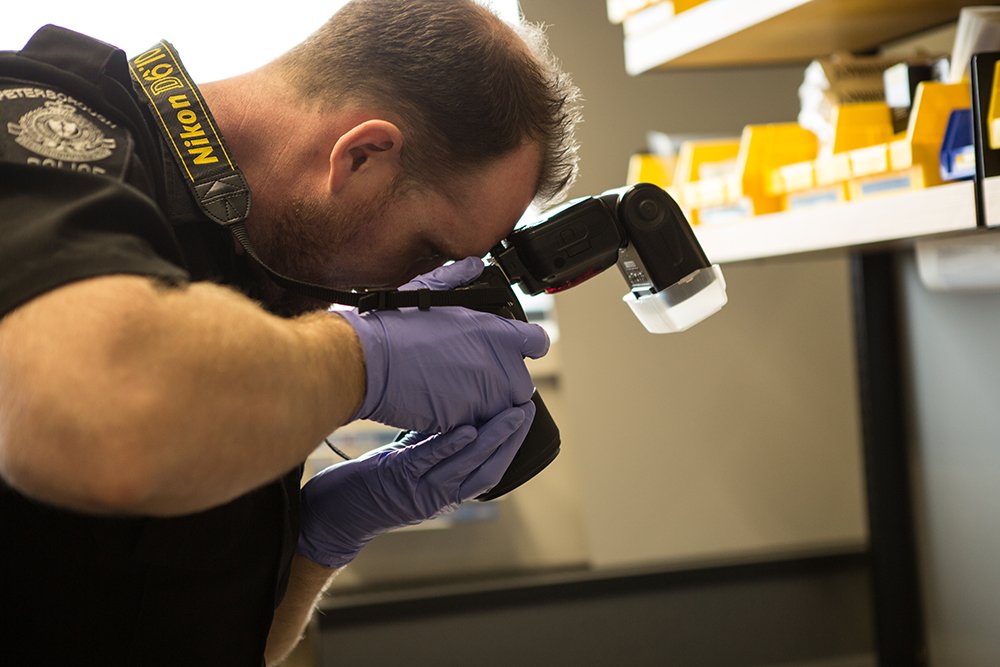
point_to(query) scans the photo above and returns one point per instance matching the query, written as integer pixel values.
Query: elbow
(79, 405)
(75, 469)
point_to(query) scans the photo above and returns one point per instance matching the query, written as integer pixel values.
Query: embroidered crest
(44, 127)
(55, 130)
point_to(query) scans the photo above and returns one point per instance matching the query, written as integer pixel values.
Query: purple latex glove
(347, 505)
(451, 276)
(434, 370)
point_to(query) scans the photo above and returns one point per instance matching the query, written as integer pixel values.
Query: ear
(367, 156)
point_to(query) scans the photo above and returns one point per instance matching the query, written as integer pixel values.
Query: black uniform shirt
(86, 189)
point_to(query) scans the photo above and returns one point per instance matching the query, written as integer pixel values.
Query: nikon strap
(223, 194)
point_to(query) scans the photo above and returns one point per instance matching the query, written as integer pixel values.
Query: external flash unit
(672, 285)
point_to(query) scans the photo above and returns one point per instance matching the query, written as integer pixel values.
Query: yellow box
(703, 161)
(886, 184)
(739, 209)
(832, 169)
(861, 124)
(709, 192)
(900, 154)
(650, 168)
(694, 155)
(869, 160)
(792, 178)
(829, 194)
(905, 155)
(994, 110)
(765, 148)
(932, 106)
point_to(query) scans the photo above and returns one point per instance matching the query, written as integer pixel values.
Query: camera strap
(223, 194)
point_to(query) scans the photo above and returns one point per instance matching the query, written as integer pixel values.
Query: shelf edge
(696, 28)
(938, 210)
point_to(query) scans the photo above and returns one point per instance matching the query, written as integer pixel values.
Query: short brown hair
(465, 86)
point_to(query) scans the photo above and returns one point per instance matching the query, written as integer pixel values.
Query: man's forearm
(118, 395)
(306, 584)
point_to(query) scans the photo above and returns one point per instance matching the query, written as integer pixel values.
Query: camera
(641, 229)
(672, 285)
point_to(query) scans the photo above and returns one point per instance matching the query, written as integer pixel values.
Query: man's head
(432, 124)
(463, 86)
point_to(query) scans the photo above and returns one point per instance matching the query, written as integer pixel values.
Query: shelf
(722, 33)
(918, 213)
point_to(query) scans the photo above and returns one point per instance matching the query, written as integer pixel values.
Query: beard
(308, 239)
(318, 241)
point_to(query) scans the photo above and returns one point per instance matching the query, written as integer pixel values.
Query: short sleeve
(58, 225)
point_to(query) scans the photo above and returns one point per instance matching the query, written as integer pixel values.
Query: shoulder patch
(44, 127)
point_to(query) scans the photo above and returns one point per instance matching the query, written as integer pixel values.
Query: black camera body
(672, 285)
(541, 444)
(641, 229)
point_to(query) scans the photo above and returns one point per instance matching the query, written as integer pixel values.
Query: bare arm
(117, 395)
(306, 584)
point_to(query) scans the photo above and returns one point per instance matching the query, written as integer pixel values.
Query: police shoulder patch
(44, 127)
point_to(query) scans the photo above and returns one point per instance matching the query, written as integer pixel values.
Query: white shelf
(722, 33)
(938, 210)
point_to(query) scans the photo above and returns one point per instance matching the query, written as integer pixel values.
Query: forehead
(512, 177)
(500, 192)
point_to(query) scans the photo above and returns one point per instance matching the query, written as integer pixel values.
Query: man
(160, 388)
